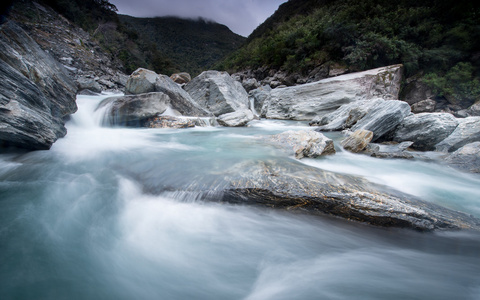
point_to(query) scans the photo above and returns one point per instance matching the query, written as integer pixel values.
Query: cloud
(241, 17)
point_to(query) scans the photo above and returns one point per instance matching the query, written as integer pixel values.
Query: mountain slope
(431, 36)
(193, 45)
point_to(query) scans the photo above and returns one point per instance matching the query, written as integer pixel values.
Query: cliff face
(35, 92)
(70, 45)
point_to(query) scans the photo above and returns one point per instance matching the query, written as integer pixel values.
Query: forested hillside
(193, 45)
(440, 39)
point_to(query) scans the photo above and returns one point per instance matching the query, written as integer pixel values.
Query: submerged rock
(218, 92)
(304, 102)
(36, 93)
(169, 122)
(305, 143)
(425, 130)
(466, 158)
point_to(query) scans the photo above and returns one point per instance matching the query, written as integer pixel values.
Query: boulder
(133, 110)
(180, 100)
(423, 106)
(304, 102)
(305, 143)
(141, 81)
(425, 130)
(288, 185)
(250, 84)
(466, 158)
(258, 96)
(467, 131)
(383, 118)
(357, 141)
(236, 119)
(218, 92)
(36, 93)
(345, 116)
(181, 78)
(136, 110)
(84, 83)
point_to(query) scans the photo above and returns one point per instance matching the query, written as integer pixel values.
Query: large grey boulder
(345, 116)
(425, 130)
(258, 96)
(136, 110)
(467, 131)
(305, 143)
(383, 118)
(141, 81)
(304, 102)
(236, 119)
(466, 158)
(218, 92)
(36, 93)
(427, 105)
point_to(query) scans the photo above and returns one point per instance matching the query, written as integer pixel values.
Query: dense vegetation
(437, 37)
(165, 45)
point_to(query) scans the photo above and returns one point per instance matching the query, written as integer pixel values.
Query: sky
(241, 16)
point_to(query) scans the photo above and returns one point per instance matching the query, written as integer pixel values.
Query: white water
(78, 222)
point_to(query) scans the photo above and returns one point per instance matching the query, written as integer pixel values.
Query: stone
(236, 119)
(383, 118)
(250, 84)
(466, 158)
(169, 122)
(304, 102)
(84, 83)
(357, 141)
(141, 81)
(390, 150)
(218, 92)
(467, 131)
(423, 106)
(425, 130)
(305, 143)
(36, 94)
(181, 78)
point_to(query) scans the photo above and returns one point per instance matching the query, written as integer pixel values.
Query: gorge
(224, 187)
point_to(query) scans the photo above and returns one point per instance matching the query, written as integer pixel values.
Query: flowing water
(101, 216)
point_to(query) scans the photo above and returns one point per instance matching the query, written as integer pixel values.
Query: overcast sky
(241, 16)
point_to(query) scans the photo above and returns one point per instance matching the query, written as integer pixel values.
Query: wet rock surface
(36, 94)
(306, 143)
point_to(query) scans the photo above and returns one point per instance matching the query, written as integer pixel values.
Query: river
(104, 215)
